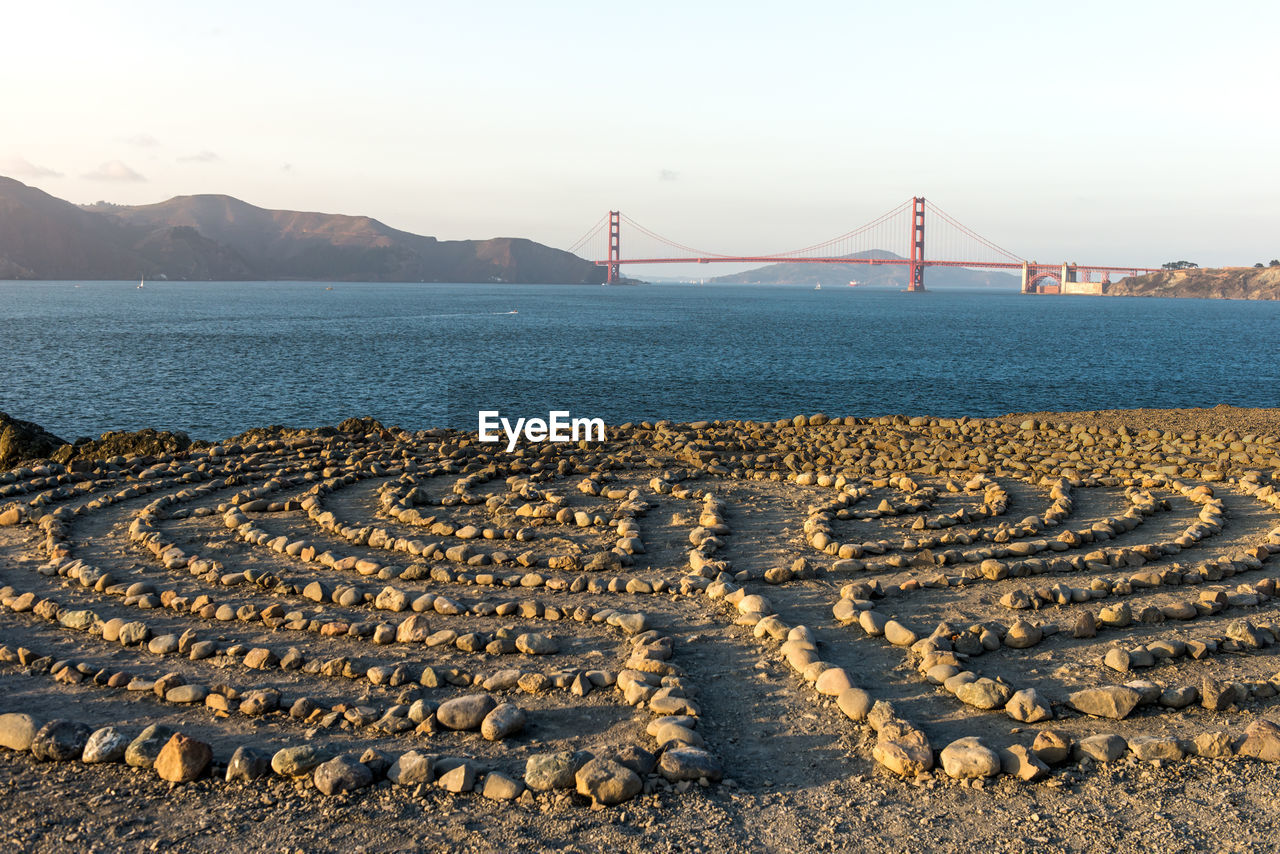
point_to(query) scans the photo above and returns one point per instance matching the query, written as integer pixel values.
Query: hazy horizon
(1133, 135)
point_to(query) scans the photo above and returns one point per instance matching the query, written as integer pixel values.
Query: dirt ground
(1216, 420)
(1133, 807)
(798, 774)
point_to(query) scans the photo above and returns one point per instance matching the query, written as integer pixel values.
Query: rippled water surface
(217, 358)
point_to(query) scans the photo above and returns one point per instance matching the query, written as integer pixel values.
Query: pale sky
(1108, 132)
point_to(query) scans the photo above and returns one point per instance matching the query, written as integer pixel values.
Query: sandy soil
(798, 773)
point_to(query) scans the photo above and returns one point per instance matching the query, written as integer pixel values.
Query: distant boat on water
(142, 283)
(853, 283)
(818, 286)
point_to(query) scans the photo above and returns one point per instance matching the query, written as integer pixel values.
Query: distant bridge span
(957, 241)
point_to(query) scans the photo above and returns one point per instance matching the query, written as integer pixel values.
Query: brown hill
(220, 237)
(288, 244)
(42, 237)
(1223, 283)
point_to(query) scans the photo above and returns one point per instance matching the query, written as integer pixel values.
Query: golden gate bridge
(953, 243)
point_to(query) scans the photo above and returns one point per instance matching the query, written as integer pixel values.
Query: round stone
(59, 741)
(107, 744)
(467, 712)
(341, 774)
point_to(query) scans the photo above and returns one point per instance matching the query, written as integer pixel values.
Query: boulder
(689, 763)
(1261, 741)
(546, 771)
(1217, 745)
(499, 787)
(855, 703)
(341, 774)
(143, 750)
(59, 741)
(607, 782)
(1111, 701)
(1020, 762)
(467, 712)
(1022, 635)
(298, 761)
(833, 682)
(504, 721)
(1148, 691)
(1179, 697)
(533, 643)
(677, 735)
(632, 756)
(903, 750)
(183, 759)
(461, 778)
(1118, 659)
(247, 764)
(412, 768)
(260, 702)
(1154, 747)
(1103, 747)
(413, 629)
(186, 694)
(1028, 706)
(969, 759)
(133, 633)
(898, 634)
(1051, 747)
(984, 693)
(107, 744)
(1218, 696)
(17, 729)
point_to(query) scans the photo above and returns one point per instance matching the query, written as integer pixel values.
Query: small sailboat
(818, 286)
(143, 283)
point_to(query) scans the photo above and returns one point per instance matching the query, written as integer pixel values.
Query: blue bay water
(214, 359)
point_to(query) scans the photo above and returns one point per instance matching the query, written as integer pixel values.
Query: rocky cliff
(1224, 283)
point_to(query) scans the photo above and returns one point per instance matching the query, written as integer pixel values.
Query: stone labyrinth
(951, 598)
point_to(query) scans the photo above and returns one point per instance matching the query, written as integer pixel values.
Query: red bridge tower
(615, 246)
(915, 281)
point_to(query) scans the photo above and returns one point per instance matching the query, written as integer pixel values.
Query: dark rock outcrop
(361, 426)
(23, 440)
(119, 443)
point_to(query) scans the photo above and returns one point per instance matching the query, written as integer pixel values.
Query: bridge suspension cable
(847, 243)
(972, 237)
(593, 231)
(882, 233)
(694, 253)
